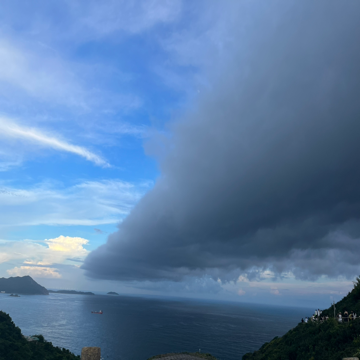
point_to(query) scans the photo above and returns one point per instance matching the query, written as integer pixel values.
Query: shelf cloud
(264, 172)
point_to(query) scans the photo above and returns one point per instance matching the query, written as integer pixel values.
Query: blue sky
(81, 91)
(89, 94)
(83, 87)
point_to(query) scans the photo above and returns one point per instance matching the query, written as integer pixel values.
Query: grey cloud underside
(265, 172)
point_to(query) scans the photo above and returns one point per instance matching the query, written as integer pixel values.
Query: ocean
(136, 328)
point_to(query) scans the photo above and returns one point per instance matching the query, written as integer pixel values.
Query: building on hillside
(31, 338)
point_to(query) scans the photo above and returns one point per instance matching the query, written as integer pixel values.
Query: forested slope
(318, 340)
(13, 346)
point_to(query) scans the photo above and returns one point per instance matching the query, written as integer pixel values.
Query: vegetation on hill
(13, 345)
(351, 302)
(22, 285)
(328, 340)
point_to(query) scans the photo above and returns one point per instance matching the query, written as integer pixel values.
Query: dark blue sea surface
(135, 328)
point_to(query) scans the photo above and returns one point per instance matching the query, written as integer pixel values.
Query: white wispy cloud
(35, 76)
(35, 271)
(133, 16)
(87, 203)
(7, 165)
(38, 73)
(9, 129)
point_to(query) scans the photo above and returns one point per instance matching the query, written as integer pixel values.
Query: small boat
(97, 312)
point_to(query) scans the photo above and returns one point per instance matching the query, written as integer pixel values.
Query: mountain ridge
(24, 285)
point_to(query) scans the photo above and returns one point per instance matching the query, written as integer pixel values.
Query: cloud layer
(87, 203)
(38, 257)
(129, 16)
(35, 271)
(9, 129)
(263, 174)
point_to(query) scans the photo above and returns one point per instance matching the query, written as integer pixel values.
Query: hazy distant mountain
(112, 293)
(22, 285)
(71, 292)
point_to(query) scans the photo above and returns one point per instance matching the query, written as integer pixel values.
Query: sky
(193, 149)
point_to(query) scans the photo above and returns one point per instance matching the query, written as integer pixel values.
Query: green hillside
(351, 302)
(13, 346)
(328, 340)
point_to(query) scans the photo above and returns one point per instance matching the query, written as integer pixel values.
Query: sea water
(136, 328)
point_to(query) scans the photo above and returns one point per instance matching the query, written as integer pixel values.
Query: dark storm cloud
(265, 173)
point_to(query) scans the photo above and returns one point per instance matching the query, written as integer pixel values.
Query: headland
(24, 285)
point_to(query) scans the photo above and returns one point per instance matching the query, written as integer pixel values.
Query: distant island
(24, 285)
(320, 339)
(112, 293)
(14, 295)
(71, 292)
